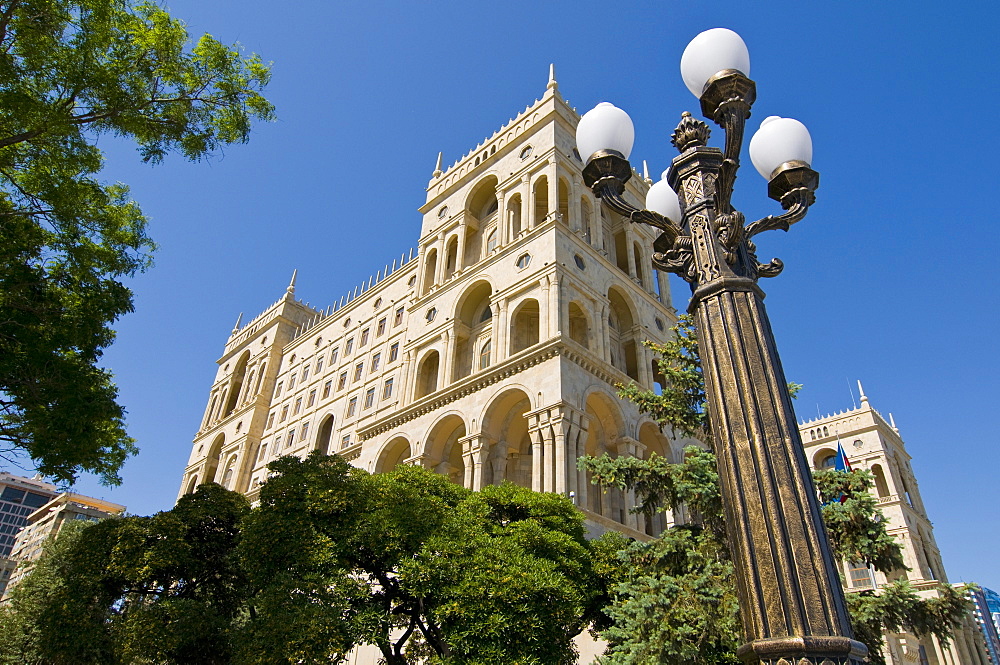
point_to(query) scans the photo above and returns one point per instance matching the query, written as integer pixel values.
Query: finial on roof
(239, 320)
(864, 397)
(437, 169)
(892, 421)
(645, 173)
(290, 291)
(552, 85)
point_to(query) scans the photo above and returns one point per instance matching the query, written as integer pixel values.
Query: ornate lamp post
(791, 600)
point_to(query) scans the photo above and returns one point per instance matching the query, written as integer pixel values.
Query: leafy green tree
(72, 71)
(161, 589)
(417, 566)
(677, 602)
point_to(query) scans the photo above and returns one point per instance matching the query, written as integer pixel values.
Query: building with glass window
(984, 620)
(47, 520)
(19, 497)
(490, 353)
(874, 444)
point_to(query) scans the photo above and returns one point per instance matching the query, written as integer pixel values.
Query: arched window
(484, 355)
(491, 241)
(622, 343)
(324, 438)
(578, 325)
(237, 382)
(451, 258)
(475, 325)
(541, 207)
(587, 220)
(430, 270)
(427, 375)
(564, 201)
(640, 273)
(524, 326)
(514, 216)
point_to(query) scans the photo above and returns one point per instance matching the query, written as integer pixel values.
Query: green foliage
(165, 588)
(70, 72)
(678, 603)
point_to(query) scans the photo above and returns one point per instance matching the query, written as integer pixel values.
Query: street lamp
(791, 600)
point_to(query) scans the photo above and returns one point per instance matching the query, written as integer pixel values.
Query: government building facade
(491, 353)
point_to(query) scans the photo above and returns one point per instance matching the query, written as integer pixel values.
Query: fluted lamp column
(791, 600)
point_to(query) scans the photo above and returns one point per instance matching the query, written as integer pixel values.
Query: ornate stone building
(874, 444)
(489, 354)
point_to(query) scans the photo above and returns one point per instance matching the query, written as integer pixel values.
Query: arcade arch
(474, 328)
(443, 449)
(393, 454)
(505, 426)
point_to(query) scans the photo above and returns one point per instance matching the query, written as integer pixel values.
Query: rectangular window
(376, 359)
(270, 421)
(277, 389)
(334, 354)
(312, 398)
(393, 352)
(861, 575)
(387, 390)
(342, 381)
(352, 407)
(291, 382)
(364, 337)
(358, 369)
(291, 438)
(346, 441)
(319, 365)
(369, 398)
(348, 347)
(326, 388)
(284, 413)
(398, 318)
(305, 373)
(304, 432)
(380, 329)
(298, 405)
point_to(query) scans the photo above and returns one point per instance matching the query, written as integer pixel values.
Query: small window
(358, 370)
(290, 438)
(327, 387)
(398, 317)
(369, 398)
(659, 323)
(319, 364)
(342, 381)
(380, 328)
(491, 241)
(334, 354)
(431, 313)
(319, 340)
(312, 398)
(352, 407)
(376, 359)
(523, 261)
(484, 355)
(387, 390)
(284, 414)
(305, 373)
(579, 262)
(304, 432)
(377, 303)
(270, 421)
(413, 280)
(345, 441)
(291, 382)
(291, 361)
(442, 212)
(486, 315)
(347, 322)
(525, 152)
(277, 389)
(349, 347)
(364, 337)
(394, 351)
(298, 406)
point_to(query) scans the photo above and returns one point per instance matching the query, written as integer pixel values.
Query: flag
(842, 463)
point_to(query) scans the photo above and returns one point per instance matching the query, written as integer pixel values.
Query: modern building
(19, 497)
(491, 353)
(874, 444)
(984, 620)
(993, 606)
(48, 520)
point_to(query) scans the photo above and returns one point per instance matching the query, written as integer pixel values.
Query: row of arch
(238, 390)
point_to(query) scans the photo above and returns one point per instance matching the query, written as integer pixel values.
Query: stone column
(543, 310)
(556, 307)
(537, 460)
(444, 367)
(582, 485)
(561, 429)
(552, 175)
(575, 212)
(442, 259)
(463, 231)
(500, 329)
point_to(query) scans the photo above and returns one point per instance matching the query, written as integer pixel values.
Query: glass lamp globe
(779, 140)
(661, 198)
(605, 127)
(711, 52)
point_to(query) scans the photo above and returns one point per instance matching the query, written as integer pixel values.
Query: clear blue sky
(888, 279)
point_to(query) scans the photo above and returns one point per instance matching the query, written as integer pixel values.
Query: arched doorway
(505, 426)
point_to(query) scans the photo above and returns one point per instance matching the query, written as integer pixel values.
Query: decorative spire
(552, 85)
(892, 422)
(861, 391)
(645, 173)
(290, 291)
(239, 320)
(437, 169)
